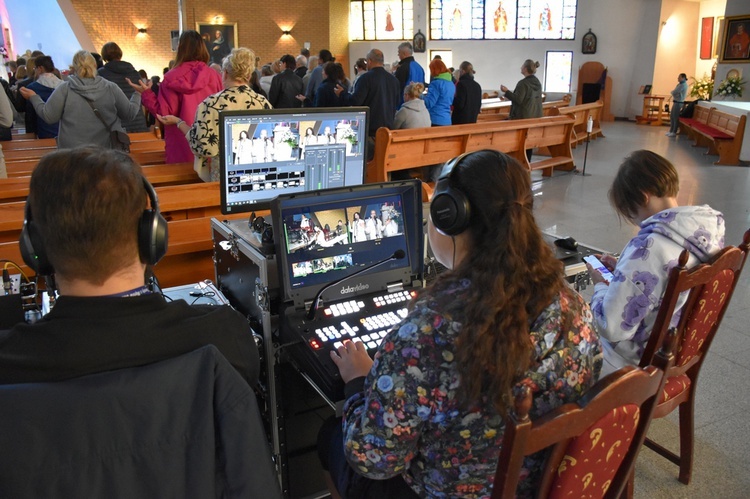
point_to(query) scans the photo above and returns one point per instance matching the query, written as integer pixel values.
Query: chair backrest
(591, 443)
(709, 287)
(183, 427)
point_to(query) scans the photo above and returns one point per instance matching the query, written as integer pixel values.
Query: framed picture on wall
(588, 45)
(220, 39)
(707, 37)
(735, 45)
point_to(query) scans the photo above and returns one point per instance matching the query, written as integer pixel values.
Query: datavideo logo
(353, 289)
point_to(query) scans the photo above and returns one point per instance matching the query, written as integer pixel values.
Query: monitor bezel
(307, 111)
(410, 192)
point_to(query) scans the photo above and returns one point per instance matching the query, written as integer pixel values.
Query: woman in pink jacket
(183, 88)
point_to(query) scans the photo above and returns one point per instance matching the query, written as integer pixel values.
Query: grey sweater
(78, 123)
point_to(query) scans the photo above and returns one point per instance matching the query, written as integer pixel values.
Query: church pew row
(495, 112)
(580, 114)
(721, 132)
(188, 209)
(397, 150)
(24, 166)
(16, 188)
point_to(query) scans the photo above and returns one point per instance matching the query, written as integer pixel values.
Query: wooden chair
(709, 286)
(592, 443)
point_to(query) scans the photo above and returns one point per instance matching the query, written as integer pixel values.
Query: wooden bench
(553, 134)
(16, 188)
(397, 150)
(501, 113)
(722, 133)
(700, 116)
(581, 113)
(188, 208)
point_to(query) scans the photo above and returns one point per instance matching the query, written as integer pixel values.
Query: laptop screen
(325, 236)
(265, 153)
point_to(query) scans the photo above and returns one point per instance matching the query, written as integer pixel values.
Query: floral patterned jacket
(409, 420)
(203, 137)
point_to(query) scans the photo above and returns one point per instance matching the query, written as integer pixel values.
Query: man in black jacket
(408, 70)
(468, 99)
(88, 223)
(286, 86)
(116, 70)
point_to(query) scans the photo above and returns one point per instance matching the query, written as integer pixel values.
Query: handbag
(119, 140)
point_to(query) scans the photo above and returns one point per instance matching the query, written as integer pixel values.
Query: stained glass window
(502, 19)
(381, 20)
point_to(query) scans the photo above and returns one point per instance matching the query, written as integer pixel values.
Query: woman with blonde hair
(413, 113)
(73, 103)
(182, 89)
(236, 70)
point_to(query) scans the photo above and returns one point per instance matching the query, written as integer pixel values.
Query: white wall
(709, 8)
(676, 49)
(626, 34)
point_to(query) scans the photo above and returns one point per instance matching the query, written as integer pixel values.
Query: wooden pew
(188, 208)
(722, 134)
(16, 188)
(19, 167)
(502, 113)
(581, 115)
(700, 116)
(397, 150)
(554, 135)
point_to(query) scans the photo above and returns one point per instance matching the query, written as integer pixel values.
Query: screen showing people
(265, 156)
(322, 244)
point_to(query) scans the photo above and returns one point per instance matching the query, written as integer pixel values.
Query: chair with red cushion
(592, 443)
(709, 286)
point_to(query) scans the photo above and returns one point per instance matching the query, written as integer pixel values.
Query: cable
(9, 262)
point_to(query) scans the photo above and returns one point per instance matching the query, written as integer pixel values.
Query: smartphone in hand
(599, 266)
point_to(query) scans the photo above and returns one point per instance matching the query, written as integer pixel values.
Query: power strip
(15, 284)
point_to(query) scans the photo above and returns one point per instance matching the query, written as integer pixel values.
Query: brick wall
(259, 26)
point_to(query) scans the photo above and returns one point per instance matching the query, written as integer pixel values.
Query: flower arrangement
(703, 88)
(288, 137)
(349, 134)
(732, 86)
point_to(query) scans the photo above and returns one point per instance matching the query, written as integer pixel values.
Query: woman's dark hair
(514, 276)
(191, 47)
(334, 71)
(289, 61)
(642, 173)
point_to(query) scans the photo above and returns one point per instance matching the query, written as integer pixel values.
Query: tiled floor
(578, 206)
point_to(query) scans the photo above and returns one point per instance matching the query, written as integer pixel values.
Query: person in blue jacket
(440, 94)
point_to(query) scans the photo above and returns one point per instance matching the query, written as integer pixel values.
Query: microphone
(397, 255)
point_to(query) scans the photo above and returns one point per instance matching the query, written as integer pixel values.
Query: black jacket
(116, 72)
(468, 100)
(183, 427)
(83, 336)
(285, 87)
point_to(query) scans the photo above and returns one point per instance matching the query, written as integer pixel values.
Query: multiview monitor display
(265, 153)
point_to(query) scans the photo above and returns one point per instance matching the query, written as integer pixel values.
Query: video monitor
(264, 153)
(325, 236)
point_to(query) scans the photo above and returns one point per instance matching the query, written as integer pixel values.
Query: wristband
(178, 123)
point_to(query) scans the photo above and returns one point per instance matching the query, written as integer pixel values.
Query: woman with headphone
(425, 418)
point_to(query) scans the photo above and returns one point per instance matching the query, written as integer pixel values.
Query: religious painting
(388, 20)
(500, 20)
(735, 45)
(546, 19)
(588, 45)
(420, 42)
(456, 20)
(220, 39)
(707, 37)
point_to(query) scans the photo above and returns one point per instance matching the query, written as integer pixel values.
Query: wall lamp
(286, 32)
(142, 30)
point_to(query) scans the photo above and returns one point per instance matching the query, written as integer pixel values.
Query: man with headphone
(88, 223)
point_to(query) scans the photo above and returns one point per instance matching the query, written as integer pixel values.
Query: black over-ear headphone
(450, 209)
(152, 237)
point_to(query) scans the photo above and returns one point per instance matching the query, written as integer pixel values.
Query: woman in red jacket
(183, 88)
